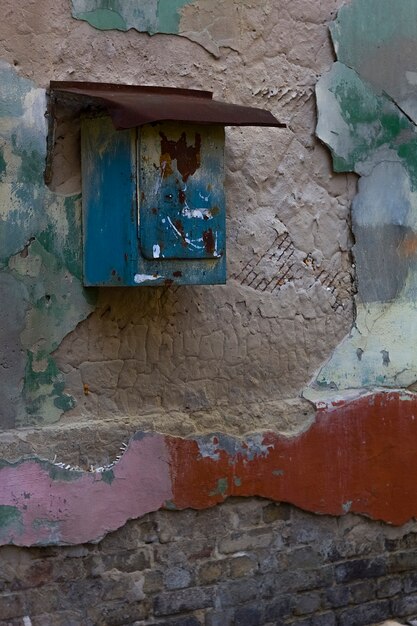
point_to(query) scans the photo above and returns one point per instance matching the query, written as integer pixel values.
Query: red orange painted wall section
(356, 457)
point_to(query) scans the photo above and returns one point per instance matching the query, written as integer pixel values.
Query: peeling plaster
(151, 16)
(367, 107)
(200, 21)
(357, 457)
(40, 277)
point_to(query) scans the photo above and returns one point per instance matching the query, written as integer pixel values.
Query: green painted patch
(363, 27)
(104, 19)
(40, 253)
(3, 165)
(148, 16)
(108, 476)
(169, 14)
(9, 516)
(367, 107)
(221, 488)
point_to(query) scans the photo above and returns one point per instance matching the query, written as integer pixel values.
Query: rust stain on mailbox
(189, 185)
(187, 157)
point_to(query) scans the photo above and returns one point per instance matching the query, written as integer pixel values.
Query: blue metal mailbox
(153, 182)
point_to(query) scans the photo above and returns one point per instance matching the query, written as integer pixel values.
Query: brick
(245, 512)
(182, 621)
(118, 614)
(234, 593)
(76, 552)
(364, 591)
(132, 561)
(408, 542)
(129, 537)
(306, 603)
(177, 578)
(242, 566)
(181, 552)
(336, 597)
(340, 550)
(402, 561)
(61, 618)
(410, 582)
(68, 569)
(276, 512)
(279, 609)
(220, 618)
(38, 574)
(12, 605)
(153, 581)
(173, 602)
(406, 606)
(365, 614)
(306, 580)
(212, 572)
(324, 619)
(360, 568)
(388, 587)
(242, 541)
(43, 600)
(302, 558)
(247, 616)
(267, 559)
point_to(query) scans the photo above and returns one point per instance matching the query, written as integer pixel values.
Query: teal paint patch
(221, 488)
(381, 46)
(9, 516)
(3, 165)
(367, 107)
(40, 261)
(169, 13)
(107, 476)
(146, 16)
(104, 19)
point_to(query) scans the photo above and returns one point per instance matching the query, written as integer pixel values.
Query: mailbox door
(113, 181)
(181, 191)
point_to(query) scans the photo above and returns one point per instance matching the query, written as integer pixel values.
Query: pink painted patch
(84, 507)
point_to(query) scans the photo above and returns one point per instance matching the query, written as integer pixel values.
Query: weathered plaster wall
(190, 359)
(367, 108)
(40, 259)
(232, 359)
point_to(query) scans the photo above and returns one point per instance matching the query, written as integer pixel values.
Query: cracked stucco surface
(191, 359)
(367, 107)
(41, 293)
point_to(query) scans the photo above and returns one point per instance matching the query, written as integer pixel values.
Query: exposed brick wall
(245, 563)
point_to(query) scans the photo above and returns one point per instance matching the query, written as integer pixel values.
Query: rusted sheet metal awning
(131, 106)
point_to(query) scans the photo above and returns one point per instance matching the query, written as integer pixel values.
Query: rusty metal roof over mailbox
(131, 106)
